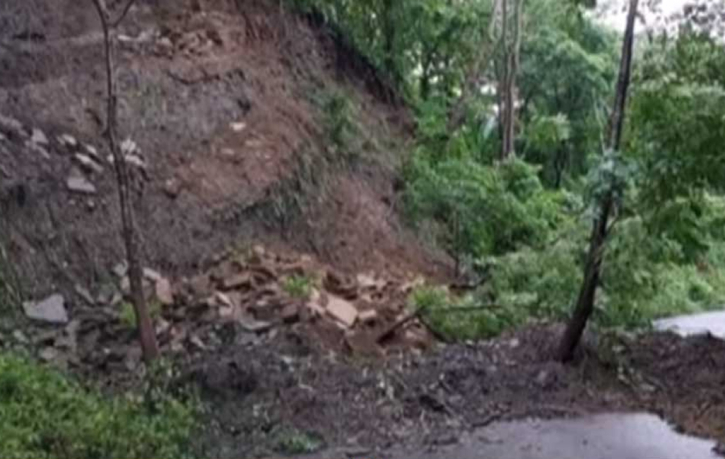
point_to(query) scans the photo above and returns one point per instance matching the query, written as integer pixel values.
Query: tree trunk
(457, 113)
(508, 87)
(388, 32)
(597, 244)
(145, 326)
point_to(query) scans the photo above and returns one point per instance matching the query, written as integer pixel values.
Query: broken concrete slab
(50, 310)
(80, 185)
(342, 310)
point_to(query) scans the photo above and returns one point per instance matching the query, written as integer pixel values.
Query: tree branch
(123, 14)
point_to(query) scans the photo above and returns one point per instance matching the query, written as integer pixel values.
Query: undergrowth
(44, 414)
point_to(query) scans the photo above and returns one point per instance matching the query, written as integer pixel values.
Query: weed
(44, 414)
(128, 314)
(338, 121)
(294, 442)
(297, 286)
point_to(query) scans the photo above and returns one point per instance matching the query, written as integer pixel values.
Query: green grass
(128, 314)
(44, 414)
(297, 286)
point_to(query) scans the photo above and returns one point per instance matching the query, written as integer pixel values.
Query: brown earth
(227, 107)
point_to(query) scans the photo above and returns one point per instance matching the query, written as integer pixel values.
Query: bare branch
(123, 14)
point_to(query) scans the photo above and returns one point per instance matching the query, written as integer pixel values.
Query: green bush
(46, 415)
(485, 209)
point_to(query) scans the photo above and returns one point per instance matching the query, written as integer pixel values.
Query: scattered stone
(342, 310)
(87, 163)
(38, 137)
(11, 126)
(129, 147)
(135, 161)
(80, 185)
(238, 127)
(93, 153)
(20, 337)
(164, 292)
(514, 343)
(152, 275)
(224, 300)
(68, 140)
(51, 310)
(290, 314)
(197, 342)
(369, 316)
(41, 150)
(252, 325)
(49, 354)
(172, 188)
(85, 295)
(121, 269)
(238, 281)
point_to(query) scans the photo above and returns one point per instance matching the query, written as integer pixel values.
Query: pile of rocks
(244, 299)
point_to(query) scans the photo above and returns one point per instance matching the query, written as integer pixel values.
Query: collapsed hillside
(230, 108)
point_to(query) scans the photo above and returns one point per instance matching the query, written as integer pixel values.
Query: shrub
(46, 415)
(297, 286)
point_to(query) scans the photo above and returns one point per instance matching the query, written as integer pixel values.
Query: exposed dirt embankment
(226, 104)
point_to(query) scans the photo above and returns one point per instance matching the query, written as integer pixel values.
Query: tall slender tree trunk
(600, 229)
(147, 334)
(457, 113)
(388, 32)
(508, 88)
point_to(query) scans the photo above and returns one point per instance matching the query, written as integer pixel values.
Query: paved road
(694, 324)
(608, 436)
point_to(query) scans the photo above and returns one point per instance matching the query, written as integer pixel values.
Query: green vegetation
(128, 316)
(298, 286)
(294, 442)
(43, 414)
(523, 224)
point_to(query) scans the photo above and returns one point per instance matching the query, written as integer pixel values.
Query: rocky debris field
(246, 296)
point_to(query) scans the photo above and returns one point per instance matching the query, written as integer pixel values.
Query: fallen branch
(390, 331)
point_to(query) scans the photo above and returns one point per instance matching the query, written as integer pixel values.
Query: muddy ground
(357, 407)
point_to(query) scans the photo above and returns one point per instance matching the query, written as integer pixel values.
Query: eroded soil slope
(226, 102)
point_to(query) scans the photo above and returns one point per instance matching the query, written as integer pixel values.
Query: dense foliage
(43, 414)
(522, 225)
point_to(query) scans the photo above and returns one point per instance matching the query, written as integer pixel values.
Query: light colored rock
(80, 185)
(129, 147)
(93, 153)
(366, 317)
(252, 325)
(238, 127)
(20, 337)
(164, 292)
(38, 137)
(238, 281)
(342, 310)
(121, 269)
(135, 161)
(152, 275)
(50, 310)
(12, 126)
(68, 141)
(87, 163)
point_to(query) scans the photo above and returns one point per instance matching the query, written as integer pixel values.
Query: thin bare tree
(607, 206)
(128, 229)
